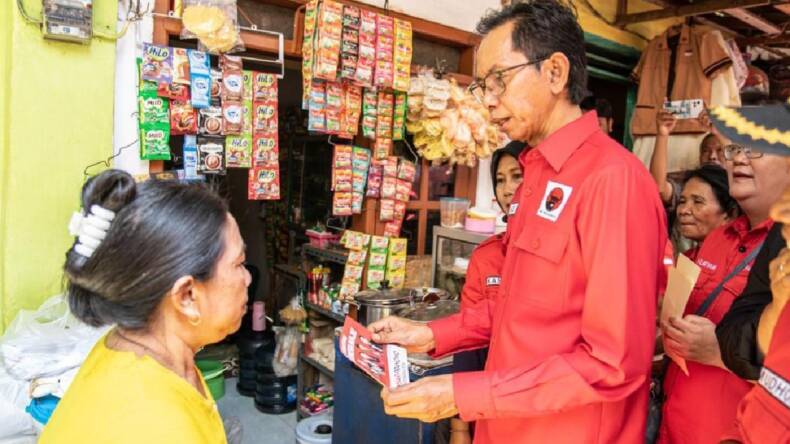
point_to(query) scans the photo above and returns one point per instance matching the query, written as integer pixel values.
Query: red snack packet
(173, 91)
(183, 118)
(264, 117)
(387, 210)
(264, 86)
(265, 151)
(263, 183)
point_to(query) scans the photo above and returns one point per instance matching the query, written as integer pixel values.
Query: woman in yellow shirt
(164, 262)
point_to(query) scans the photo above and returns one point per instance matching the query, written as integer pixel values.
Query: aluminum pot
(373, 305)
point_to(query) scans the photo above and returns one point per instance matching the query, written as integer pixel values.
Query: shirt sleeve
(712, 55)
(737, 331)
(468, 330)
(636, 74)
(473, 291)
(622, 242)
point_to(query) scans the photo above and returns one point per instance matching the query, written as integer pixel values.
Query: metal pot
(373, 305)
(430, 310)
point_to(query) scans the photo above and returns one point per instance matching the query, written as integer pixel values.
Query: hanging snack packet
(402, 56)
(352, 110)
(229, 62)
(155, 142)
(232, 117)
(387, 210)
(266, 151)
(392, 229)
(201, 91)
(343, 157)
(334, 95)
(210, 121)
(333, 120)
(400, 210)
(382, 148)
(351, 17)
(308, 50)
(317, 106)
(330, 27)
(357, 257)
(157, 63)
(390, 166)
(154, 110)
(183, 119)
(378, 259)
(265, 117)
(407, 171)
(389, 186)
(341, 204)
(398, 247)
(402, 190)
(379, 244)
(264, 86)
(246, 117)
(238, 152)
(181, 66)
(343, 180)
(216, 84)
(374, 186)
(173, 91)
(263, 184)
(190, 158)
(369, 109)
(357, 199)
(367, 48)
(247, 88)
(232, 85)
(211, 155)
(199, 62)
(399, 117)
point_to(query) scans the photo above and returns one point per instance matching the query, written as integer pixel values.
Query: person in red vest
(572, 329)
(484, 275)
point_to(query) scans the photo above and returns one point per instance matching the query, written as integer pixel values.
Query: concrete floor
(258, 428)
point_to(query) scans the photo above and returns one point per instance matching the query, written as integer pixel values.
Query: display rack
(448, 244)
(335, 255)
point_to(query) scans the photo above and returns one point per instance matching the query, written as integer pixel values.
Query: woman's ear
(183, 296)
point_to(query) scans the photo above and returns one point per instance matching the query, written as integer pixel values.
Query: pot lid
(385, 296)
(430, 311)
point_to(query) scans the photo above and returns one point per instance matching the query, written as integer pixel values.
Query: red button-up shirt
(572, 330)
(483, 277)
(699, 408)
(764, 413)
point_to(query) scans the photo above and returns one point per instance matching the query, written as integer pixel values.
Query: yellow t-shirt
(119, 397)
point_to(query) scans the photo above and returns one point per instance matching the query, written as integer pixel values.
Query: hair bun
(111, 189)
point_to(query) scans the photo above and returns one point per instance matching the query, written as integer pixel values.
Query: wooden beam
(753, 20)
(622, 8)
(703, 7)
(784, 7)
(724, 30)
(422, 28)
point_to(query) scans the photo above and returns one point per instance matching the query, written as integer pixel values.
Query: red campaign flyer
(386, 363)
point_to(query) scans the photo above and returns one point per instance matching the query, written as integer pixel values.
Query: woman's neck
(165, 345)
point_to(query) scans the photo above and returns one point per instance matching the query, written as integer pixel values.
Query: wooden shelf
(316, 365)
(326, 313)
(336, 255)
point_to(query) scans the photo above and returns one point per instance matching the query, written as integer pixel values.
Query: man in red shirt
(571, 332)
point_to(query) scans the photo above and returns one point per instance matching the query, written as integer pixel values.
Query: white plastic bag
(14, 398)
(46, 342)
(286, 353)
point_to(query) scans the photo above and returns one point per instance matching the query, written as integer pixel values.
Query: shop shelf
(327, 313)
(315, 364)
(335, 255)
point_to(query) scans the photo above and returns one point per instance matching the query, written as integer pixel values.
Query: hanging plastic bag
(287, 351)
(46, 342)
(214, 23)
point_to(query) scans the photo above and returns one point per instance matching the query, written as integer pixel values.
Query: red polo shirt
(484, 274)
(572, 330)
(699, 408)
(764, 413)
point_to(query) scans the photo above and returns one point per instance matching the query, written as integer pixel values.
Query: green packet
(155, 142)
(154, 110)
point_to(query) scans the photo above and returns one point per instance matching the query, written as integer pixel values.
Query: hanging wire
(107, 162)
(412, 151)
(21, 6)
(135, 15)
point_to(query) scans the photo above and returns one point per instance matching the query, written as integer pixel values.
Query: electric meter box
(70, 20)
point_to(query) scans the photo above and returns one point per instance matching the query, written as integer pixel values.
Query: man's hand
(665, 121)
(414, 336)
(693, 338)
(428, 400)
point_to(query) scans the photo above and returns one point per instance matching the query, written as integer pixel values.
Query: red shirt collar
(740, 227)
(560, 145)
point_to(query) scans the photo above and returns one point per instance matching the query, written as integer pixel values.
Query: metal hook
(412, 151)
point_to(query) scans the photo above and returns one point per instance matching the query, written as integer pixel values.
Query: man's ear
(558, 68)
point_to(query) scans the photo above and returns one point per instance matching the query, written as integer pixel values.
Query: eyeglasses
(494, 83)
(730, 151)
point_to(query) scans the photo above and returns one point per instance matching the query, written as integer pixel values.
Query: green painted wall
(56, 117)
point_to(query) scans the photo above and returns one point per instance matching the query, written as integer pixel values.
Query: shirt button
(535, 244)
(742, 249)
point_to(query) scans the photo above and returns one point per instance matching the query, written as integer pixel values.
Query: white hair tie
(90, 229)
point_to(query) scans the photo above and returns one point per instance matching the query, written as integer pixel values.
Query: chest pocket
(539, 277)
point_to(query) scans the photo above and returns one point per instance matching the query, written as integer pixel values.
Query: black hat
(763, 128)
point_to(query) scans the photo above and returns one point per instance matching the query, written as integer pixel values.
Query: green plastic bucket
(214, 374)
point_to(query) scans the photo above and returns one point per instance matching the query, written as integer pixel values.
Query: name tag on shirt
(776, 385)
(512, 210)
(554, 200)
(492, 281)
